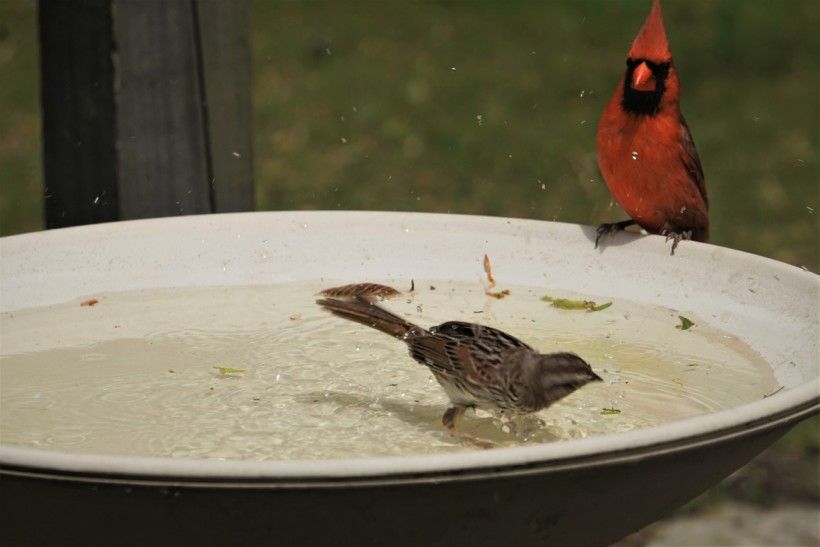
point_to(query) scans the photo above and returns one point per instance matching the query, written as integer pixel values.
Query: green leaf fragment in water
(685, 323)
(609, 411)
(229, 370)
(567, 304)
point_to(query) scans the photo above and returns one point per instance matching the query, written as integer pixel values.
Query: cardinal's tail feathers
(372, 315)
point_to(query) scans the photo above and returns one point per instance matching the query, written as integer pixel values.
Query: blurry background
(491, 108)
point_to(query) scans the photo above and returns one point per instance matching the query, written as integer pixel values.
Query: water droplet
(479, 119)
(581, 95)
(344, 140)
(96, 200)
(237, 155)
(453, 68)
(304, 225)
(634, 155)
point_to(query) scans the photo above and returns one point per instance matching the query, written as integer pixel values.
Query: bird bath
(327, 432)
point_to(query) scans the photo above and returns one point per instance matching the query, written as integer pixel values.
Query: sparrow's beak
(642, 78)
(596, 378)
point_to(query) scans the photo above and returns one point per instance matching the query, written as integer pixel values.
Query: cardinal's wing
(691, 161)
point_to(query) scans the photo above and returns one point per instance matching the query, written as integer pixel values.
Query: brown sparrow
(477, 366)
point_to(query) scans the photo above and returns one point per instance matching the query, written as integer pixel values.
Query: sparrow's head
(650, 78)
(556, 375)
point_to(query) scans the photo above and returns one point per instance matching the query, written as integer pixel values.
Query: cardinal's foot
(676, 234)
(611, 228)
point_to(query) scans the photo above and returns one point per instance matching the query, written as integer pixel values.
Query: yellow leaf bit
(229, 370)
(488, 269)
(567, 304)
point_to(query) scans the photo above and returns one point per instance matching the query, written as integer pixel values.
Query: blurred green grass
(376, 105)
(21, 170)
(491, 108)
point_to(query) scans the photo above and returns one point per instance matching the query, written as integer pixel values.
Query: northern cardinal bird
(645, 150)
(476, 365)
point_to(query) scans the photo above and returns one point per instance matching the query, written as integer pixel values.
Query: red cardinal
(645, 151)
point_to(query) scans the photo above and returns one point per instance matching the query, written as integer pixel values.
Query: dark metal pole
(146, 108)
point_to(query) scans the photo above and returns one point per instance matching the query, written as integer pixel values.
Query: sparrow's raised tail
(361, 311)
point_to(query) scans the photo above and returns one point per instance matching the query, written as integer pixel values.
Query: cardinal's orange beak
(642, 78)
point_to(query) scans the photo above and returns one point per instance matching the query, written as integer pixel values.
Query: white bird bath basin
(584, 491)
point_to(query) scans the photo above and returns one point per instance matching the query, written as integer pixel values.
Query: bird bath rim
(788, 406)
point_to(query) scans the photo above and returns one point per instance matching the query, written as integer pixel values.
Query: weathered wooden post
(146, 108)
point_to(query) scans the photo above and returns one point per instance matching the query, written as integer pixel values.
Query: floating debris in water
(229, 370)
(488, 269)
(90, 302)
(567, 304)
(685, 323)
(610, 411)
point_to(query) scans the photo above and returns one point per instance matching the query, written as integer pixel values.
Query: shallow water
(138, 373)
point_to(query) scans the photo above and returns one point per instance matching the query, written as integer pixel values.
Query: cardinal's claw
(610, 228)
(676, 235)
